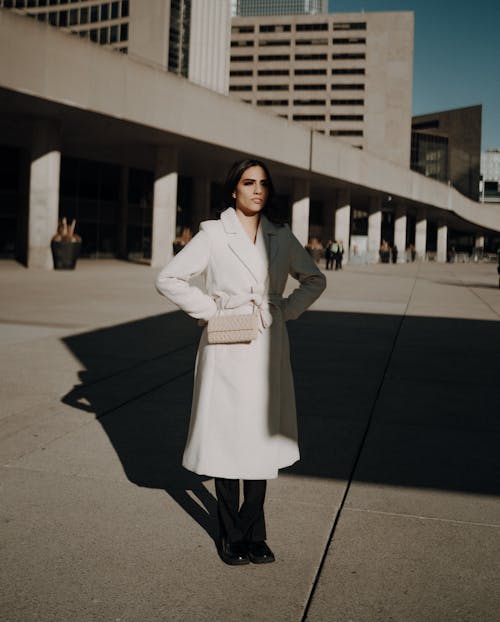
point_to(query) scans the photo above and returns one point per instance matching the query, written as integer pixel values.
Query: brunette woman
(243, 421)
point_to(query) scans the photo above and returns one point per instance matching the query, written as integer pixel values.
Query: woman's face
(251, 191)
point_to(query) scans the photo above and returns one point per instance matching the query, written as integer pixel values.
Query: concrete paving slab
(384, 567)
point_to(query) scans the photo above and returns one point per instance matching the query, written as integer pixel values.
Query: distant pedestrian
(498, 266)
(394, 253)
(329, 255)
(243, 421)
(339, 254)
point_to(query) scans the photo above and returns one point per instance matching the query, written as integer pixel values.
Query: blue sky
(457, 55)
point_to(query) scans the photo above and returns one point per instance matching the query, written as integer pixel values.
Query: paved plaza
(393, 512)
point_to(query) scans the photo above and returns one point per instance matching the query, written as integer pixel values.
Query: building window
(272, 87)
(310, 56)
(270, 42)
(272, 102)
(241, 44)
(242, 29)
(309, 102)
(242, 72)
(346, 132)
(346, 117)
(304, 27)
(240, 87)
(308, 117)
(274, 57)
(310, 72)
(349, 26)
(349, 41)
(311, 42)
(275, 28)
(241, 59)
(348, 87)
(310, 87)
(347, 102)
(352, 56)
(352, 71)
(273, 72)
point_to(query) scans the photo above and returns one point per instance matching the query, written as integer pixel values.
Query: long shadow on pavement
(424, 388)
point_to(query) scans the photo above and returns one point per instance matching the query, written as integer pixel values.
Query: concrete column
(200, 207)
(400, 233)
(164, 206)
(300, 210)
(123, 218)
(479, 241)
(45, 168)
(374, 229)
(329, 207)
(442, 243)
(421, 233)
(343, 221)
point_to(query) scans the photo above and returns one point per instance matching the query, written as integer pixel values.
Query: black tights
(247, 522)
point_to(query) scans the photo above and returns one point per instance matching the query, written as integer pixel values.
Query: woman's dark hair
(234, 176)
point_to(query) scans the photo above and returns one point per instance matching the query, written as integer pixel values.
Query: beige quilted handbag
(233, 328)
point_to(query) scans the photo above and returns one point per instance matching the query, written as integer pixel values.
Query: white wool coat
(243, 419)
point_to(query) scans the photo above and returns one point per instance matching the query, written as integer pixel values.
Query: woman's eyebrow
(252, 179)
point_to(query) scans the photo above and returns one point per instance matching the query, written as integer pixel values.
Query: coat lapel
(239, 242)
(271, 239)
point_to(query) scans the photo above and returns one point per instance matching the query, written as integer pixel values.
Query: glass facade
(178, 54)
(105, 23)
(281, 7)
(429, 155)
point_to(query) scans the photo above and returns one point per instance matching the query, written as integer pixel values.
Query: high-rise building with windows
(345, 75)
(247, 8)
(490, 176)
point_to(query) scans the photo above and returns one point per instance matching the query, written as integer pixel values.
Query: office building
(347, 75)
(188, 37)
(490, 176)
(446, 146)
(247, 8)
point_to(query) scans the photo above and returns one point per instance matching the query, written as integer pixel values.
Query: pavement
(393, 512)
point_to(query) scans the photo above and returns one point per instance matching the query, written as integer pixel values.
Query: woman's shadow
(137, 382)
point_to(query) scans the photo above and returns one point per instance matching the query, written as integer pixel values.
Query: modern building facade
(134, 152)
(247, 8)
(347, 75)
(446, 146)
(490, 176)
(188, 37)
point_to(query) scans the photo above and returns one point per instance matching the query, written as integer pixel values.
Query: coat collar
(243, 248)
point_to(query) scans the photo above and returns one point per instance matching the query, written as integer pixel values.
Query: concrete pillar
(300, 210)
(442, 243)
(421, 233)
(479, 243)
(164, 206)
(343, 221)
(45, 168)
(400, 233)
(123, 211)
(374, 229)
(148, 38)
(200, 205)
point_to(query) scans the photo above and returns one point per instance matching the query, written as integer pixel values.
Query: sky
(456, 55)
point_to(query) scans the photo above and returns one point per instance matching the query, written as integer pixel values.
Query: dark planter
(65, 254)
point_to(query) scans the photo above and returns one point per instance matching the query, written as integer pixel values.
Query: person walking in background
(329, 256)
(243, 421)
(339, 253)
(394, 253)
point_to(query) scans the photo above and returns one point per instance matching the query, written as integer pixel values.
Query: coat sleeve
(173, 280)
(312, 281)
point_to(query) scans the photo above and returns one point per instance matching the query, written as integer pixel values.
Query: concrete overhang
(41, 62)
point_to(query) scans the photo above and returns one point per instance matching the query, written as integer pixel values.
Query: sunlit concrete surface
(393, 512)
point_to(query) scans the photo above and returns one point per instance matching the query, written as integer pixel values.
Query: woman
(243, 422)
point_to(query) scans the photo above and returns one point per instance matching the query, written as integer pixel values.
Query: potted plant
(66, 246)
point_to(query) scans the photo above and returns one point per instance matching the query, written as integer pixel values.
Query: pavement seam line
(471, 289)
(358, 453)
(420, 517)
